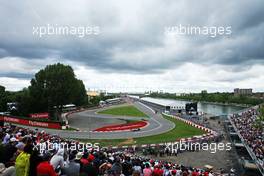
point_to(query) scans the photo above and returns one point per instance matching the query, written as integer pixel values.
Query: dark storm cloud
(132, 36)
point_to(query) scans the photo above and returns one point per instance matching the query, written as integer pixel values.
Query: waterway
(209, 108)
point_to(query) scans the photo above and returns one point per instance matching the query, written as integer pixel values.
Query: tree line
(212, 97)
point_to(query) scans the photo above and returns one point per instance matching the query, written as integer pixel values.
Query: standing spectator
(73, 168)
(6, 138)
(117, 167)
(89, 169)
(23, 161)
(157, 171)
(57, 160)
(166, 170)
(127, 167)
(195, 173)
(35, 159)
(137, 166)
(147, 171)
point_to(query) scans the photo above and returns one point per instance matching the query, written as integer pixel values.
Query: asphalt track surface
(89, 120)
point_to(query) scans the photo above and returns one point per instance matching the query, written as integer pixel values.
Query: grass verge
(129, 110)
(181, 130)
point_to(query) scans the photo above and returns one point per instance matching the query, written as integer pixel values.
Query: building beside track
(160, 106)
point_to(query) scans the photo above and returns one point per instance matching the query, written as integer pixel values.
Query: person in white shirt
(57, 159)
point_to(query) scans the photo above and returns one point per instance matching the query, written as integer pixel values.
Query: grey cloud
(27, 76)
(140, 30)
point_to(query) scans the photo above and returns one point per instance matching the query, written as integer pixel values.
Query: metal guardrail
(251, 153)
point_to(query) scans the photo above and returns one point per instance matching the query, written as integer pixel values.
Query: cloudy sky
(132, 51)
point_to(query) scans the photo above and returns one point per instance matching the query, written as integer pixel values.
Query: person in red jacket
(195, 172)
(157, 171)
(45, 168)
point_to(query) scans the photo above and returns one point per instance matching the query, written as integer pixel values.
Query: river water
(209, 108)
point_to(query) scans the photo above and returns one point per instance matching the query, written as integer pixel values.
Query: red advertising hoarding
(10, 119)
(43, 115)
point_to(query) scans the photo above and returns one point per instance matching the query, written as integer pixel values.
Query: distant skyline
(129, 49)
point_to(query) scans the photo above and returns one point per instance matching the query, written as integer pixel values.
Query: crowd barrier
(30, 122)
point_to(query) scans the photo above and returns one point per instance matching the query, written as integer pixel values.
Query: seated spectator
(45, 168)
(8, 152)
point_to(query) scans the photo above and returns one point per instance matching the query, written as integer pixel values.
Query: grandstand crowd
(20, 157)
(252, 133)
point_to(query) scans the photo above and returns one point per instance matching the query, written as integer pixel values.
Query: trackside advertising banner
(43, 115)
(10, 119)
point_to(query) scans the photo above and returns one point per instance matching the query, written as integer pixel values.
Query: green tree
(25, 103)
(80, 97)
(55, 86)
(3, 100)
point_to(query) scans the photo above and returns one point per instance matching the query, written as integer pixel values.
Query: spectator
(57, 160)
(157, 171)
(73, 168)
(137, 166)
(23, 161)
(245, 123)
(147, 171)
(9, 151)
(127, 166)
(105, 162)
(45, 168)
(89, 169)
(10, 171)
(35, 160)
(117, 167)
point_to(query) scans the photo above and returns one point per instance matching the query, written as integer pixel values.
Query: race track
(88, 120)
